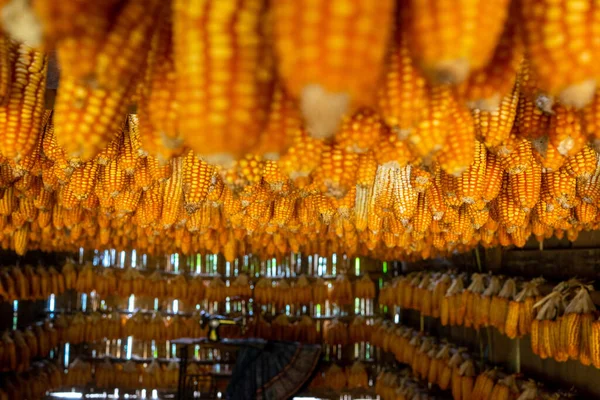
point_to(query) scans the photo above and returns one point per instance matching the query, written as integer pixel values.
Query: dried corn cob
(229, 98)
(329, 71)
(559, 41)
(403, 93)
(22, 112)
(493, 128)
(444, 35)
(486, 87)
(525, 187)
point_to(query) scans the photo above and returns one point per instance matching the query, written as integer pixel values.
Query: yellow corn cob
(302, 157)
(337, 171)
(583, 164)
(595, 343)
(131, 148)
(471, 184)
(20, 239)
(87, 119)
(519, 159)
(392, 152)
(360, 132)
(459, 151)
(493, 177)
(559, 186)
(158, 108)
(585, 212)
(535, 336)
(150, 207)
(22, 112)
(112, 178)
(445, 36)
(585, 351)
(173, 194)
(510, 212)
(525, 187)
(80, 26)
(325, 62)
(548, 155)
(282, 126)
(6, 52)
(229, 98)
(405, 197)
(423, 216)
(565, 132)
(430, 133)
(559, 37)
(197, 178)
(486, 87)
(403, 93)
(493, 128)
(83, 180)
(561, 353)
(126, 202)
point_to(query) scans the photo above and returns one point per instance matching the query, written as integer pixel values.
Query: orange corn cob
(595, 343)
(337, 171)
(486, 87)
(283, 124)
(525, 187)
(583, 164)
(197, 179)
(493, 128)
(360, 132)
(302, 157)
(87, 119)
(585, 212)
(22, 112)
(326, 63)
(493, 177)
(559, 37)
(158, 108)
(430, 133)
(459, 151)
(391, 151)
(6, 52)
(173, 194)
(229, 98)
(403, 93)
(445, 38)
(472, 183)
(565, 132)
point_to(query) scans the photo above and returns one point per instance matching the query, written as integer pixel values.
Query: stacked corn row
(270, 127)
(34, 384)
(488, 300)
(193, 290)
(29, 283)
(564, 325)
(126, 376)
(338, 378)
(19, 347)
(450, 367)
(401, 385)
(96, 327)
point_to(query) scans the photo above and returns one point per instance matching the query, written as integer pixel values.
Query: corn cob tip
(578, 95)
(20, 21)
(545, 103)
(323, 111)
(491, 104)
(449, 71)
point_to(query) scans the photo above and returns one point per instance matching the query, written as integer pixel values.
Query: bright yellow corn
(22, 111)
(325, 62)
(227, 100)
